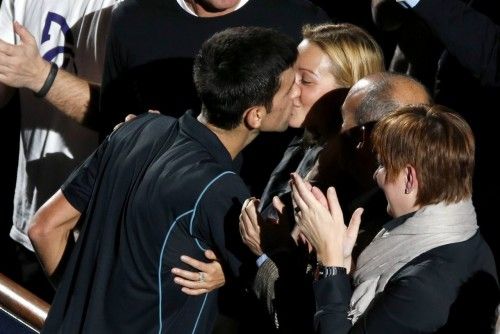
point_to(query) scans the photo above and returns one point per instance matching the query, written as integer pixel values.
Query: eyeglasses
(359, 135)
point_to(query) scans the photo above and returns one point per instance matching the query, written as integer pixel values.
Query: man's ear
(253, 117)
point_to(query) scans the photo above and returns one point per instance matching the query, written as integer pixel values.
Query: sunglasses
(359, 136)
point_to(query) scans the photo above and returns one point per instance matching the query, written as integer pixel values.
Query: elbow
(39, 229)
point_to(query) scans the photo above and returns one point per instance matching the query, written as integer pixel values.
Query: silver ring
(202, 277)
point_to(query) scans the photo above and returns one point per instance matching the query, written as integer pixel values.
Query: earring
(407, 191)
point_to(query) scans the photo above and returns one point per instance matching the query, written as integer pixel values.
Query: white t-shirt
(72, 34)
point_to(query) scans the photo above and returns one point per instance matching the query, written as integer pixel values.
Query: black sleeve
(79, 185)
(332, 304)
(409, 304)
(220, 209)
(468, 35)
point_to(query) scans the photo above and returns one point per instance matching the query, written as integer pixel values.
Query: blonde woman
(331, 57)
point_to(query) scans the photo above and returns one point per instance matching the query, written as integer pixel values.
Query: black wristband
(48, 82)
(327, 271)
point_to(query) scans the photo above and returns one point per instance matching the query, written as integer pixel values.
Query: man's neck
(203, 10)
(234, 140)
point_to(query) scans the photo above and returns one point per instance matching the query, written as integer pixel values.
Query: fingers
(130, 117)
(194, 292)
(318, 194)
(117, 126)
(334, 205)
(209, 254)
(191, 276)
(24, 34)
(249, 226)
(351, 233)
(245, 204)
(207, 277)
(354, 223)
(251, 214)
(299, 193)
(152, 111)
(278, 204)
(191, 287)
(201, 266)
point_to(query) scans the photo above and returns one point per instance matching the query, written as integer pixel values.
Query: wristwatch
(325, 271)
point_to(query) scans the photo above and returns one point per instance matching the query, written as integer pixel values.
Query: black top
(297, 158)
(458, 31)
(154, 190)
(449, 289)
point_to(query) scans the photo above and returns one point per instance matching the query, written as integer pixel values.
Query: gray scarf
(391, 249)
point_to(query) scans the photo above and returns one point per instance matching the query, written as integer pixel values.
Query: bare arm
(50, 230)
(23, 67)
(71, 95)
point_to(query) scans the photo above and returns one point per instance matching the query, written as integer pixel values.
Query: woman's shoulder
(454, 262)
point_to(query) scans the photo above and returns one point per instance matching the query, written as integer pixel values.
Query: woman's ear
(253, 117)
(411, 181)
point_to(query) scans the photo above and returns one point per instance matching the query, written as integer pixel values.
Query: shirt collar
(183, 4)
(206, 138)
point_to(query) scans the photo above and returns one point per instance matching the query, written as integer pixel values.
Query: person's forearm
(24, 67)
(71, 95)
(50, 230)
(49, 248)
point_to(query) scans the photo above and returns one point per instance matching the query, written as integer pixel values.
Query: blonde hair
(438, 143)
(353, 52)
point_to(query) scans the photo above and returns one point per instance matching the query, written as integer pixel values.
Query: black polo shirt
(155, 189)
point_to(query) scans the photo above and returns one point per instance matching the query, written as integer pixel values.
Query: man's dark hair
(239, 68)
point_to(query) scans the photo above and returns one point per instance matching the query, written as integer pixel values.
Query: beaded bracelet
(48, 82)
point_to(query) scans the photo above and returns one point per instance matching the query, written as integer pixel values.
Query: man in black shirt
(158, 188)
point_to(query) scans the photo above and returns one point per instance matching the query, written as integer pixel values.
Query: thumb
(209, 254)
(24, 34)
(278, 204)
(353, 228)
